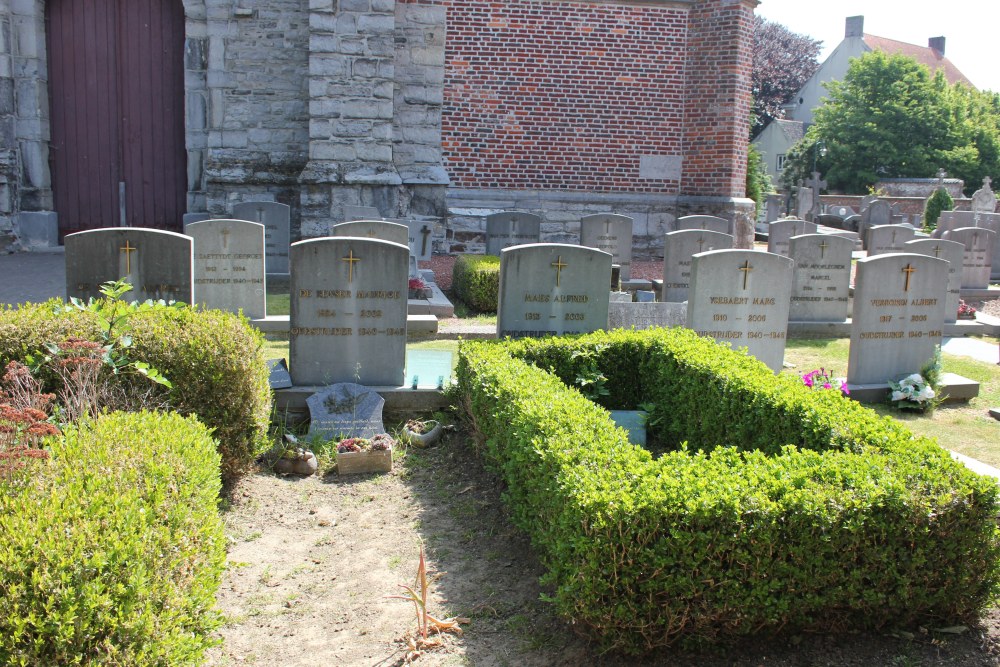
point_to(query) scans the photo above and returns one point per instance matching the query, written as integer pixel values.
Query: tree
(758, 182)
(782, 62)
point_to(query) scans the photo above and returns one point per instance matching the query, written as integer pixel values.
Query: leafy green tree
(937, 202)
(758, 182)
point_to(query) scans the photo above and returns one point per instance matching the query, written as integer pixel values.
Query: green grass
(279, 304)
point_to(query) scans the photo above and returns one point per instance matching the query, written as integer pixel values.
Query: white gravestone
(952, 252)
(276, 219)
(348, 311)
(741, 297)
(780, 231)
(374, 229)
(610, 233)
(552, 289)
(156, 263)
(504, 230)
(678, 248)
(822, 279)
(709, 223)
(984, 200)
(899, 302)
(229, 266)
(978, 256)
(885, 239)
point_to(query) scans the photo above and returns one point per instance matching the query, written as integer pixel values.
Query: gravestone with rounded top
(229, 266)
(822, 278)
(276, 219)
(877, 212)
(512, 228)
(780, 231)
(952, 252)
(709, 223)
(678, 248)
(899, 304)
(552, 289)
(610, 233)
(156, 263)
(978, 257)
(348, 311)
(741, 297)
(884, 239)
(984, 200)
(374, 229)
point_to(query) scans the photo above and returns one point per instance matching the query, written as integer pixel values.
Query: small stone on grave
(345, 410)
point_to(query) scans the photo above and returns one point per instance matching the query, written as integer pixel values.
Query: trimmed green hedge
(212, 358)
(476, 281)
(111, 551)
(779, 508)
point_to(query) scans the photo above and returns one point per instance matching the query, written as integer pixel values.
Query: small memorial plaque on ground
(952, 252)
(345, 410)
(504, 230)
(276, 219)
(610, 233)
(822, 279)
(678, 247)
(780, 231)
(741, 297)
(229, 265)
(279, 377)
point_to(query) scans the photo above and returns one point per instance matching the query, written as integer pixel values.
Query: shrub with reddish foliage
(23, 420)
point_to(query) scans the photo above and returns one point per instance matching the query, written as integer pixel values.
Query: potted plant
(422, 433)
(965, 311)
(360, 455)
(418, 289)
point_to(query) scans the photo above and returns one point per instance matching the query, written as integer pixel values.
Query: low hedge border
(113, 549)
(476, 281)
(212, 358)
(781, 508)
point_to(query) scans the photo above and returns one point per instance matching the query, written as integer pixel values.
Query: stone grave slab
(504, 230)
(822, 278)
(158, 264)
(348, 311)
(978, 256)
(279, 377)
(884, 239)
(374, 229)
(228, 267)
(899, 304)
(952, 252)
(678, 247)
(611, 233)
(276, 219)
(780, 231)
(552, 289)
(345, 410)
(742, 297)
(708, 223)
(648, 315)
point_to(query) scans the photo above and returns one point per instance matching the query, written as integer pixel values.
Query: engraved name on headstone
(952, 252)
(276, 219)
(822, 277)
(610, 233)
(678, 248)
(229, 265)
(504, 230)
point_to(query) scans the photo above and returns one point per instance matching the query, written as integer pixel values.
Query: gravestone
(552, 288)
(899, 302)
(352, 213)
(678, 247)
(419, 233)
(504, 230)
(888, 238)
(978, 255)
(843, 211)
(952, 252)
(803, 202)
(610, 233)
(348, 311)
(780, 231)
(156, 263)
(815, 184)
(774, 207)
(374, 229)
(276, 219)
(648, 315)
(345, 410)
(709, 223)
(229, 266)
(984, 200)
(821, 280)
(742, 297)
(878, 212)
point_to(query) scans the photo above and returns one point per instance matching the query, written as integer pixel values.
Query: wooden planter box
(352, 463)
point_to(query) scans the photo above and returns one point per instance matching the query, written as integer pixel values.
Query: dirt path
(312, 561)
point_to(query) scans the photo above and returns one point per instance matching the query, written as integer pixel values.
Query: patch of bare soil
(312, 561)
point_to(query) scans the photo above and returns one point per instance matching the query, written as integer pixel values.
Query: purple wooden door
(116, 86)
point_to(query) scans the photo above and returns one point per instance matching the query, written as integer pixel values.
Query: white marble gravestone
(951, 252)
(610, 233)
(348, 311)
(899, 304)
(884, 239)
(978, 256)
(504, 230)
(822, 279)
(374, 229)
(552, 289)
(276, 219)
(229, 269)
(780, 231)
(741, 297)
(678, 248)
(709, 223)
(156, 263)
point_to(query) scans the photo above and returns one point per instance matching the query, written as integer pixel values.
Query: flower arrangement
(416, 283)
(820, 379)
(382, 442)
(965, 311)
(913, 392)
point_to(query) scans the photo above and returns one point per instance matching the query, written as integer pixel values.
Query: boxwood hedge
(111, 551)
(777, 507)
(213, 360)
(476, 281)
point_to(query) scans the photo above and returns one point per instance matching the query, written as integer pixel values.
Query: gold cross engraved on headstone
(746, 269)
(371, 233)
(975, 240)
(225, 236)
(701, 244)
(607, 226)
(937, 251)
(128, 250)
(822, 249)
(908, 270)
(559, 266)
(894, 236)
(260, 214)
(350, 259)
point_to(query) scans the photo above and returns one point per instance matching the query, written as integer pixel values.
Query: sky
(969, 27)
